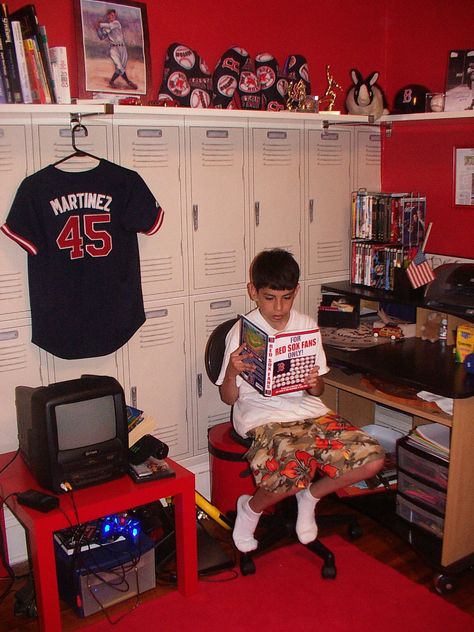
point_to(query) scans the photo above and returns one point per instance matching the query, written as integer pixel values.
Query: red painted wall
(405, 42)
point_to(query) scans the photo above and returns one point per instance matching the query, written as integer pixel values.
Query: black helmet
(410, 99)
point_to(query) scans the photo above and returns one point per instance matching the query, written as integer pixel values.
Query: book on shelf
(3, 96)
(139, 424)
(60, 72)
(10, 54)
(281, 361)
(36, 85)
(21, 61)
(37, 95)
(30, 28)
(7, 88)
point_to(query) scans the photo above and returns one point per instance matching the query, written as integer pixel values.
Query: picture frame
(113, 49)
(464, 176)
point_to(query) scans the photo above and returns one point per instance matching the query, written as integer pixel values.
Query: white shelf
(426, 116)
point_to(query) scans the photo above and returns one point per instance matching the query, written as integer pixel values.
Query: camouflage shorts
(289, 454)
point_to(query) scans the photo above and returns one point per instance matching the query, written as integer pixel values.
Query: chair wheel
(328, 571)
(444, 584)
(247, 565)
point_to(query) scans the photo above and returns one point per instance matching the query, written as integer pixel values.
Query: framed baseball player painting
(113, 48)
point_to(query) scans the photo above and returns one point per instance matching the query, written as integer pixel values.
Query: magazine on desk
(282, 361)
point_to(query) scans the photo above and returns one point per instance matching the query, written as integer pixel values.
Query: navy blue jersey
(80, 232)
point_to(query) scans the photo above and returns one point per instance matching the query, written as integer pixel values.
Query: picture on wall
(464, 176)
(460, 81)
(113, 48)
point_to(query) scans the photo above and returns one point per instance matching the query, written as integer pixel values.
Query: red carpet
(288, 593)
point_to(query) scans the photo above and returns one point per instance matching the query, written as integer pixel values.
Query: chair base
(276, 527)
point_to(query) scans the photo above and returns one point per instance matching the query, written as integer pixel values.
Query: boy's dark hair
(275, 269)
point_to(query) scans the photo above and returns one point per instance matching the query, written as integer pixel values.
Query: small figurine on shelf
(296, 95)
(330, 94)
(365, 96)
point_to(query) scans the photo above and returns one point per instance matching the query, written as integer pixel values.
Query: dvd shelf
(386, 231)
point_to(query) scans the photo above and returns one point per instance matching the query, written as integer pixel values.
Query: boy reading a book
(294, 435)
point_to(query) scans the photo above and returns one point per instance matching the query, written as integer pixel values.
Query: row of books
(374, 265)
(394, 218)
(30, 70)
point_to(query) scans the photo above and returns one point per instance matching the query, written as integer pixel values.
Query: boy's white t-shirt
(252, 409)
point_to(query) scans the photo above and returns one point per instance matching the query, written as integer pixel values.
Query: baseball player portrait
(111, 30)
(115, 47)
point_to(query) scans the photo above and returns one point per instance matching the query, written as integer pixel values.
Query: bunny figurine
(365, 97)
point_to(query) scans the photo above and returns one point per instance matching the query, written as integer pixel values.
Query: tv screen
(83, 423)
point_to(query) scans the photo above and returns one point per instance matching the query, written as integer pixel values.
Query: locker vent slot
(277, 154)
(11, 286)
(13, 356)
(329, 155)
(168, 434)
(219, 262)
(156, 270)
(217, 154)
(6, 156)
(213, 320)
(158, 330)
(151, 153)
(330, 251)
(61, 150)
(373, 153)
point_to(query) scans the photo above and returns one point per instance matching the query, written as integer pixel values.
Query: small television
(73, 432)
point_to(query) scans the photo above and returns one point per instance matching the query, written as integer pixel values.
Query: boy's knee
(374, 467)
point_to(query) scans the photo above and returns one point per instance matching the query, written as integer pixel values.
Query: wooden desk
(426, 366)
(95, 502)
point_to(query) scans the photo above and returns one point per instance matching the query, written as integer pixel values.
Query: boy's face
(274, 305)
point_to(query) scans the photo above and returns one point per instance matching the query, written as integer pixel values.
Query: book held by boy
(282, 362)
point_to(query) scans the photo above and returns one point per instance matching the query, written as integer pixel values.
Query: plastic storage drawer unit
(423, 465)
(421, 493)
(419, 517)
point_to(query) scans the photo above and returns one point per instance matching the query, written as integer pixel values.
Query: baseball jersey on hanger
(80, 232)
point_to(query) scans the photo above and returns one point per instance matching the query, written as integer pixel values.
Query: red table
(95, 502)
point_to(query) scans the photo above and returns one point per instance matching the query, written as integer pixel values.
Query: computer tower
(95, 579)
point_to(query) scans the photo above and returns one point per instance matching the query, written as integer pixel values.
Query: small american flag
(420, 271)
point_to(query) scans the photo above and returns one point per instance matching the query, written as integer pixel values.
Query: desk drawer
(420, 493)
(422, 465)
(419, 517)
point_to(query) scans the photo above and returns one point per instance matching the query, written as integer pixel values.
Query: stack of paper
(432, 438)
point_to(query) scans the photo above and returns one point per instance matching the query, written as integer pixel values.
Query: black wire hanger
(77, 151)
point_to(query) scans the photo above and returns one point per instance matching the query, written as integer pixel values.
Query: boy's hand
(240, 361)
(315, 382)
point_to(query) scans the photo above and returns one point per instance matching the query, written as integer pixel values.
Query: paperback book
(282, 361)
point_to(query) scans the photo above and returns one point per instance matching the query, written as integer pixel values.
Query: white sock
(306, 527)
(245, 525)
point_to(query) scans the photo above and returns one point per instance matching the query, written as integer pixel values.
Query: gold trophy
(295, 96)
(330, 94)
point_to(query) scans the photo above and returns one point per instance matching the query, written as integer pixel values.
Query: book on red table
(282, 361)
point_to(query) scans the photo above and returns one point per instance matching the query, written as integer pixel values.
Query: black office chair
(280, 524)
